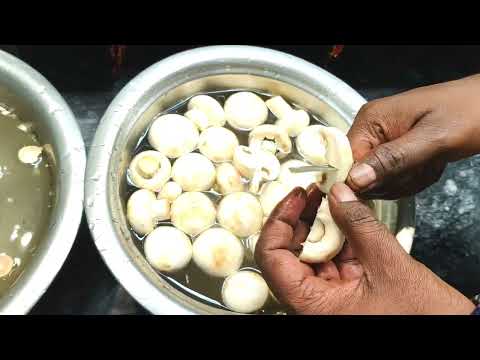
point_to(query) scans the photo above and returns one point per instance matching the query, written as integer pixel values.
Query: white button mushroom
(194, 172)
(30, 154)
(218, 252)
(173, 135)
(270, 137)
(228, 179)
(293, 121)
(271, 194)
(198, 118)
(193, 213)
(150, 170)
(144, 211)
(256, 165)
(6, 265)
(168, 249)
(292, 180)
(245, 292)
(325, 239)
(326, 145)
(218, 144)
(170, 191)
(210, 107)
(245, 110)
(240, 213)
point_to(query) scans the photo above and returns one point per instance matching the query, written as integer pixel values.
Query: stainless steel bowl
(33, 97)
(159, 87)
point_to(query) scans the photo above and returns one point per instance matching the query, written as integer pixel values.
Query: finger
(314, 200)
(327, 271)
(373, 245)
(299, 235)
(348, 266)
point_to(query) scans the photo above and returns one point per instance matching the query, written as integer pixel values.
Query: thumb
(371, 241)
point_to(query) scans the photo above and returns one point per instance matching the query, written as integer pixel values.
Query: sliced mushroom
(325, 239)
(292, 121)
(150, 170)
(6, 265)
(144, 211)
(270, 137)
(193, 213)
(170, 191)
(218, 252)
(194, 172)
(210, 107)
(292, 180)
(168, 249)
(240, 213)
(245, 292)
(256, 165)
(312, 145)
(218, 144)
(271, 194)
(228, 179)
(30, 154)
(173, 135)
(245, 110)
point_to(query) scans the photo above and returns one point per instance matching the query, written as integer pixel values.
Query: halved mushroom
(170, 191)
(218, 144)
(228, 179)
(256, 165)
(218, 252)
(194, 172)
(245, 110)
(168, 249)
(325, 239)
(292, 121)
(173, 135)
(6, 265)
(193, 213)
(30, 154)
(271, 138)
(144, 211)
(240, 213)
(312, 145)
(271, 194)
(150, 170)
(210, 107)
(245, 292)
(292, 180)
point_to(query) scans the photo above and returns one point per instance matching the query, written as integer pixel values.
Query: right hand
(401, 144)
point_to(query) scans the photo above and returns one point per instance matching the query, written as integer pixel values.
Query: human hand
(371, 275)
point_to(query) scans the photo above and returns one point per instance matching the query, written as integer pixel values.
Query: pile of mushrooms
(197, 155)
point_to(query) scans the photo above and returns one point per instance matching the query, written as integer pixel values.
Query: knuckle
(359, 215)
(390, 159)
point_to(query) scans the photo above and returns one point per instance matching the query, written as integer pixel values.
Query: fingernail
(342, 193)
(362, 175)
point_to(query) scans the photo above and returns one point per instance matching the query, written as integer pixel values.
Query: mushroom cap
(168, 249)
(139, 211)
(278, 106)
(240, 213)
(271, 132)
(193, 213)
(146, 163)
(325, 239)
(292, 180)
(228, 179)
(170, 191)
(194, 172)
(294, 122)
(6, 265)
(245, 292)
(173, 135)
(312, 145)
(218, 252)
(30, 154)
(210, 107)
(198, 118)
(271, 194)
(245, 110)
(218, 144)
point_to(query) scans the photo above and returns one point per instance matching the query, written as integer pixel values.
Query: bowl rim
(96, 182)
(63, 229)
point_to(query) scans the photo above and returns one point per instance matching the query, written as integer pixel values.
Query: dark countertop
(447, 213)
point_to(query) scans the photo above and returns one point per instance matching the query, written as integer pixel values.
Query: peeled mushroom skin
(6, 265)
(170, 191)
(271, 194)
(142, 213)
(269, 133)
(192, 213)
(30, 154)
(312, 145)
(150, 170)
(245, 292)
(168, 249)
(194, 172)
(218, 144)
(240, 213)
(218, 252)
(325, 239)
(173, 135)
(292, 180)
(210, 107)
(245, 110)
(228, 179)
